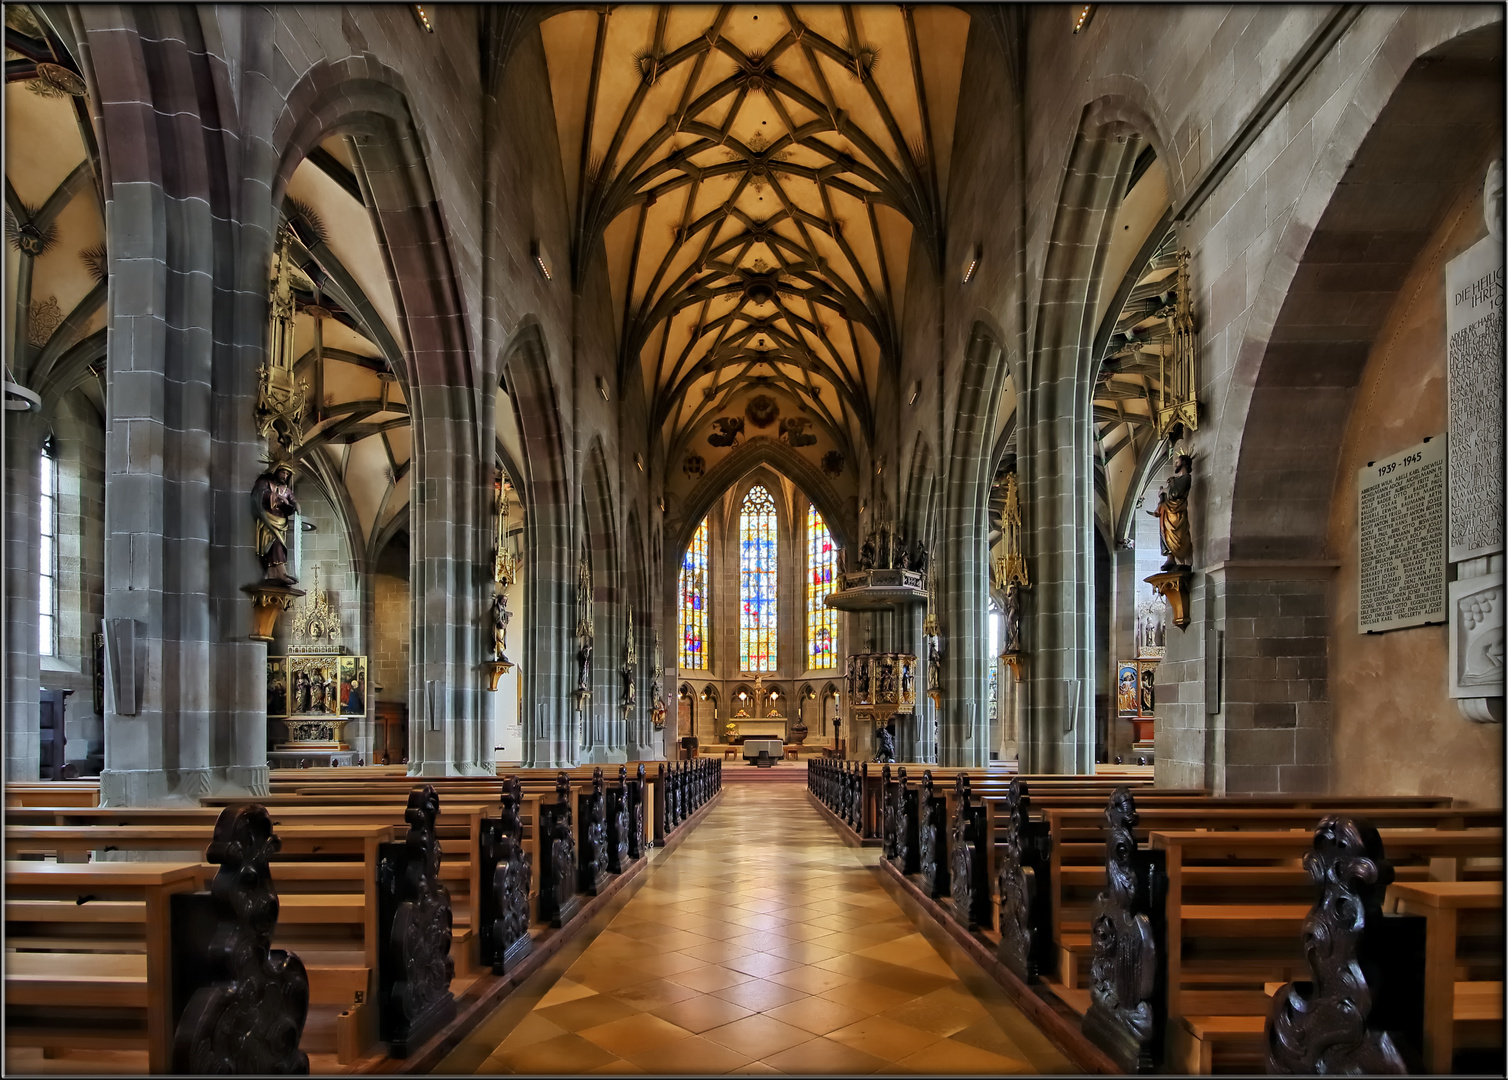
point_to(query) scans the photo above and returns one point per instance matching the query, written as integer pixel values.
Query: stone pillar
(23, 447)
(449, 561)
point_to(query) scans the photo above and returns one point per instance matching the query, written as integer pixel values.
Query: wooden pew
(132, 990)
(1459, 1012)
(52, 793)
(1219, 954)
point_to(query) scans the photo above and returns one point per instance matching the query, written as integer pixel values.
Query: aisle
(761, 944)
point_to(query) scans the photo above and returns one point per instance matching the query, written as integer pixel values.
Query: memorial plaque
(1474, 360)
(1402, 539)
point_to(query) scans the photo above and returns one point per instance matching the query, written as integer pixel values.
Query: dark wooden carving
(1322, 1026)
(1127, 1002)
(240, 1005)
(618, 798)
(968, 865)
(414, 920)
(1025, 903)
(508, 868)
(636, 814)
(558, 901)
(887, 816)
(931, 844)
(905, 824)
(592, 853)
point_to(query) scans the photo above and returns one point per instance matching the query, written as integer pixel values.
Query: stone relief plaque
(1401, 533)
(1474, 363)
(1476, 637)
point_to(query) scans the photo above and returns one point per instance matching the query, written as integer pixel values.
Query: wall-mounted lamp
(916, 392)
(662, 504)
(541, 261)
(971, 264)
(1081, 16)
(602, 387)
(879, 466)
(425, 14)
(704, 695)
(639, 461)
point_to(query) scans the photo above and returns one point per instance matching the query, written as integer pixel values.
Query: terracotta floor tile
(808, 979)
(986, 1035)
(816, 1014)
(692, 1055)
(587, 1012)
(619, 1067)
(947, 1056)
(566, 989)
(717, 952)
(756, 1067)
(824, 1056)
(757, 995)
(761, 964)
(532, 1029)
(757, 1037)
(709, 979)
(568, 1053)
(634, 1035)
(701, 1013)
(867, 997)
(941, 1016)
(884, 1038)
(648, 996)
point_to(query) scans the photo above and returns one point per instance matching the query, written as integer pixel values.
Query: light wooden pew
(1219, 956)
(52, 792)
(133, 991)
(1459, 1012)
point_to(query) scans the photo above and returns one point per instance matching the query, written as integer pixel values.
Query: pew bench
(122, 997)
(1220, 954)
(1463, 943)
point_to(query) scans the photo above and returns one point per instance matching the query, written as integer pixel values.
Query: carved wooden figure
(618, 799)
(558, 901)
(1321, 1026)
(1127, 1003)
(246, 1003)
(414, 917)
(508, 867)
(969, 875)
(887, 827)
(637, 795)
(931, 854)
(1025, 909)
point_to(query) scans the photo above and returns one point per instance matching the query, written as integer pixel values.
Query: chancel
(672, 538)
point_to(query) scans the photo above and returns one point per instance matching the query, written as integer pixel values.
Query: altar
(761, 727)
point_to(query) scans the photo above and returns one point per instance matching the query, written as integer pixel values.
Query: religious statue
(316, 695)
(1172, 515)
(274, 506)
(919, 558)
(584, 661)
(842, 563)
(908, 679)
(884, 746)
(300, 693)
(934, 667)
(1013, 618)
(501, 616)
(657, 687)
(866, 553)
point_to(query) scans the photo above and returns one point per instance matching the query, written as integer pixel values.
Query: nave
(762, 944)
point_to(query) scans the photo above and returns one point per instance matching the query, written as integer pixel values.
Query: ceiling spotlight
(971, 264)
(1081, 16)
(602, 387)
(425, 15)
(537, 253)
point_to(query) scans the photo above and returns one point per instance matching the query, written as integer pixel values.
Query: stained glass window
(821, 620)
(757, 576)
(47, 598)
(694, 601)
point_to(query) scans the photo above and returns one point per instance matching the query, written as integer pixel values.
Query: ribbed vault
(757, 176)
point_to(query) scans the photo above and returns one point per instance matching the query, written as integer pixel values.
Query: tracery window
(47, 594)
(821, 620)
(757, 644)
(694, 601)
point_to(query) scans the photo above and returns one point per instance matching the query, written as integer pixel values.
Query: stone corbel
(1017, 662)
(1173, 587)
(495, 670)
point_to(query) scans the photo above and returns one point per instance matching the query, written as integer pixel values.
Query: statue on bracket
(1172, 516)
(501, 617)
(274, 505)
(584, 627)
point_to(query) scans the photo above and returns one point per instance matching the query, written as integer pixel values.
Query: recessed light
(971, 264)
(541, 261)
(602, 387)
(426, 19)
(1081, 16)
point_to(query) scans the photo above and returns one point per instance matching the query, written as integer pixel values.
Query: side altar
(314, 691)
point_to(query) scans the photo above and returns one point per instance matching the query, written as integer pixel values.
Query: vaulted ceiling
(757, 176)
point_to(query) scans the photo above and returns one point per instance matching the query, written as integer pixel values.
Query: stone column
(23, 448)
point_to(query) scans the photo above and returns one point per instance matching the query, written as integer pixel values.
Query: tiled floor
(761, 944)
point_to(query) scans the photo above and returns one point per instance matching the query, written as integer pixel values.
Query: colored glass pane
(821, 620)
(694, 601)
(757, 581)
(47, 625)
